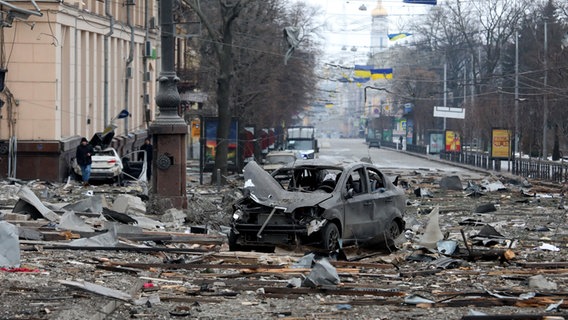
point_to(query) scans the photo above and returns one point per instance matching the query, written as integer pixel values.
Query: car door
(358, 206)
(134, 166)
(383, 198)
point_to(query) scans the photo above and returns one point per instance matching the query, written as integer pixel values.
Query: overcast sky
(349, 26)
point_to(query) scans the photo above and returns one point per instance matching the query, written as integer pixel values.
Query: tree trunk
(223, 106)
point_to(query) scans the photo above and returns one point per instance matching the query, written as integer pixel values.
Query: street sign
(447, 112)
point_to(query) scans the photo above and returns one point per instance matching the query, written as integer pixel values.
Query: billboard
(436, 143)
(210, 147)
(500, 144)
(452, 141)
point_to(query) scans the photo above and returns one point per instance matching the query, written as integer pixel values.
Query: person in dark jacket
(83, 156)
(147, 146)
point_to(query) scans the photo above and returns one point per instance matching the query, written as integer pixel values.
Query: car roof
(337, 163)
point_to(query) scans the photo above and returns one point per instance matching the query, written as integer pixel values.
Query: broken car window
(376, 179)
(356, 183)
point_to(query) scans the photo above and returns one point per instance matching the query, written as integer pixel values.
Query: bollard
(218, 180)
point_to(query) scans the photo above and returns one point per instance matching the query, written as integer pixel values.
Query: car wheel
(330, 237)
(233, 246)
(393, 231)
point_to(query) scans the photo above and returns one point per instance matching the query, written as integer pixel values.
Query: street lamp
(169, 130)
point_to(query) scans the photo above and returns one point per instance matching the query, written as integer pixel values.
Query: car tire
(233, 246)
(393, 231)
(330, 237)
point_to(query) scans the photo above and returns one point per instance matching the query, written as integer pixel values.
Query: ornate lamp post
(169, 130)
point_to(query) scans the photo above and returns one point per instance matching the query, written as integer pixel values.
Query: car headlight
(237, 214)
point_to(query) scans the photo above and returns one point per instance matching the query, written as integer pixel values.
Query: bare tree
(470, 36)
(244, 46)
(221, 35)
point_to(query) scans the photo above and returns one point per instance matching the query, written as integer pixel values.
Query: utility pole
(545, 95)
(516, 137)
(445, 90)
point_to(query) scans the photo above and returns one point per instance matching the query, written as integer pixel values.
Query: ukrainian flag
(381, 73)
(362, 73)
(432, 2)
(398, 36)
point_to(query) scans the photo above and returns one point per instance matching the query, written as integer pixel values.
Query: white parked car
(106, 165)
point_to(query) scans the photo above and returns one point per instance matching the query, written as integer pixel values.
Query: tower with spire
(379, 29)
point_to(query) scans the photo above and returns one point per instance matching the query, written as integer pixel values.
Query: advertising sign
(436, 142)
(452, 142)
(210, 134)
(500, 144)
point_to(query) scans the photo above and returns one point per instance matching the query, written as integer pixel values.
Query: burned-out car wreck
(318, 203)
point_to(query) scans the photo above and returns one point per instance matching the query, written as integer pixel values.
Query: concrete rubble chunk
(451, 183)
(129, 204)
(9, 245)
(539, 282)
(173, 217)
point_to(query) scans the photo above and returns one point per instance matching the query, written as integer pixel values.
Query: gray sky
(349, 26)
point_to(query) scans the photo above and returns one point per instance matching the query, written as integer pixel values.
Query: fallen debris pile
(95, 253)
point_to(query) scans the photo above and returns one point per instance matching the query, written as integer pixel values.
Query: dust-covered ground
(510, 261)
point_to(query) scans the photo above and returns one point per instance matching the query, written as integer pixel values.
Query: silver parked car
(317, 202)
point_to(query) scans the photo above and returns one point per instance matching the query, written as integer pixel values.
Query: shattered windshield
(264, 189)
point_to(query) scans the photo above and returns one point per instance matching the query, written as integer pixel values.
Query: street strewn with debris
(475, 246)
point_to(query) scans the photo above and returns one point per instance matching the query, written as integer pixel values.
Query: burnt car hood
(262, 188)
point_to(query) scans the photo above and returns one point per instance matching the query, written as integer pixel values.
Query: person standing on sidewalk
(84, 160)
(147, 146)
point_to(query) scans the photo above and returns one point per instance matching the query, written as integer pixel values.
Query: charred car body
(317, 202)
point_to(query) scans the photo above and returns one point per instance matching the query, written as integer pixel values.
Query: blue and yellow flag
(362, 73)
(381, 73)
(432, 2)
(398, 36)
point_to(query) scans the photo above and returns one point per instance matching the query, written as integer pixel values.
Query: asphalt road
(385, 157)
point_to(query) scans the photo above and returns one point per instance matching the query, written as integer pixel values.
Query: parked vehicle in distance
(277, 159)
(373, 138)
(108, 165)
(302, 139)
(317, 202)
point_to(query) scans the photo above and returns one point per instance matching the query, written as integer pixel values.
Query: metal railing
(533, 168)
